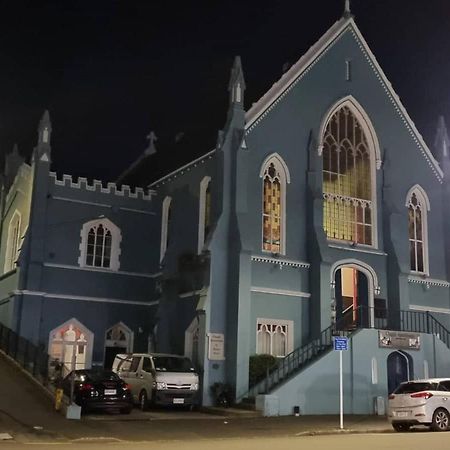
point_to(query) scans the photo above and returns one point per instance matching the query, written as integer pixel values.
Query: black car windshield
(172, 364)
(410, 388)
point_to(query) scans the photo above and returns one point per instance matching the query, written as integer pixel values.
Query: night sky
(111, 71)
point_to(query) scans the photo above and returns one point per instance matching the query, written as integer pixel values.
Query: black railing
(345, 325)
(32, 358)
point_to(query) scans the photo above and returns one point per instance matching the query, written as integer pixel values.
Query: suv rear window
(410, 388)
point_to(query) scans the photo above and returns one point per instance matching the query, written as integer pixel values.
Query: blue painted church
(320, 212)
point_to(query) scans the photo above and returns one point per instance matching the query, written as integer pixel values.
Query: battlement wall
(100, 187)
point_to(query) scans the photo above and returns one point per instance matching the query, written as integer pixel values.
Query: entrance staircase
(306, 355)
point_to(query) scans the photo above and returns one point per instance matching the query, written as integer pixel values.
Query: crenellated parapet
(100, 187)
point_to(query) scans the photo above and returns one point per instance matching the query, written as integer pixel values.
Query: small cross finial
(151, 143)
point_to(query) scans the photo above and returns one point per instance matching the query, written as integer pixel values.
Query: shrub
(259, 364)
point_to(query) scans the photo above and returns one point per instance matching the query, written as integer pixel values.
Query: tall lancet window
(165, 225)
(204, 214)
(417, 205)
(348, 207)
(13, 243)
(275, 176)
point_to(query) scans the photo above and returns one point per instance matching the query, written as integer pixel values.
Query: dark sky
(111, 71)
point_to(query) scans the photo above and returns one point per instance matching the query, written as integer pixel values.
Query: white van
(158, 378)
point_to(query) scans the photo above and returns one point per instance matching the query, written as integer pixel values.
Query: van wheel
(441, 420)
(143, 400)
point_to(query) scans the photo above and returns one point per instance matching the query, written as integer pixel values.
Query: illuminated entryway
(351, 298)
(118, 339)
(71, 345)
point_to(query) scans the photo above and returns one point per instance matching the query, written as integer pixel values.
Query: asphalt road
(391, 441)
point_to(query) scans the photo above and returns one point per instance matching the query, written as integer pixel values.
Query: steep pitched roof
(305, 63)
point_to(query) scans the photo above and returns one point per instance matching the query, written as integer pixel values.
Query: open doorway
(118, 339)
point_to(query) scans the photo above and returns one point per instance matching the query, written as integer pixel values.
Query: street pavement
(27, 415)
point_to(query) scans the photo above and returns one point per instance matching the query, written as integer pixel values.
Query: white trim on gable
(420, 192)
(202, 213)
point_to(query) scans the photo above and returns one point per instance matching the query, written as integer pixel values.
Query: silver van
(158, 378)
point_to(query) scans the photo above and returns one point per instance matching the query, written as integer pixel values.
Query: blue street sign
(341, 343)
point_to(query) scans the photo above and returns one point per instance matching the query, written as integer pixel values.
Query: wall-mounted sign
(216, 346)
(399, 339)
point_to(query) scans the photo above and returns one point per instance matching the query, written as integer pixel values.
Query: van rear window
(172, 364)
(410, 388)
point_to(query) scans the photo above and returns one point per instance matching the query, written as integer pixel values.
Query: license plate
(178, 401)
(110, 392)
(402, 413)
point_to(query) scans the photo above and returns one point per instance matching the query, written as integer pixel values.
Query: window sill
(357, 248)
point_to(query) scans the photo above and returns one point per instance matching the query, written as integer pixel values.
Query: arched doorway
(118, 339)
(399, 369)
(351, 298)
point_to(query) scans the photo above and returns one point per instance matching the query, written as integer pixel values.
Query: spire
(13, 161)
(347, 11)
(151, 149)
(442, 141)
(237, 83)
(45, 129)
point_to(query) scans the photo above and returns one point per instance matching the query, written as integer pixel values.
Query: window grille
(347, 185)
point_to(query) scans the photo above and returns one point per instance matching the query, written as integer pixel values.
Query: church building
(319, 213)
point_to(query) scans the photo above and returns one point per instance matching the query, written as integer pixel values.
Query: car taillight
(391, 397)
(425, 395)
(86, 387)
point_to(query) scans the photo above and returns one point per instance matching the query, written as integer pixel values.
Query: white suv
(421, 402)
(158, 378)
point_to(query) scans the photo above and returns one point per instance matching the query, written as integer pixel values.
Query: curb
(344, 431)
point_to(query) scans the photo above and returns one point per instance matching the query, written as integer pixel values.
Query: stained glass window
(99, 242)
(416, 234)
(272, 210)
(347, 186)
(207, 210)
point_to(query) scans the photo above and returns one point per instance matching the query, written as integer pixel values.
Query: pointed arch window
(204, 218)
(165, 225)
(275, 175)
(274, 337)
(13, 242)
(349, 207)
(100, 245)
(418, 205)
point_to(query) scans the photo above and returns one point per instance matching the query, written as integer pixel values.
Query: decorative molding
(430, 309)
(180, 171)
(358, 248)
(72, 200)
(280, 261)
(428, 281)
(286, 292)
(97, 186)
(82, 298)
(99, 269)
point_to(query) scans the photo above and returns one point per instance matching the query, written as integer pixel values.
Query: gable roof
(305, 63)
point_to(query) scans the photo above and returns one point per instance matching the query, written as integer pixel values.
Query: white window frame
(116, 239)
(202, 212)
(424, 202)
(289, 334)
(13, 242)
(285, 179)
(374, 150)
(165, 226)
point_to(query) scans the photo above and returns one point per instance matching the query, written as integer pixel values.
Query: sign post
(340, 344)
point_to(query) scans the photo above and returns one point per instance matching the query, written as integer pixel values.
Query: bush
(259, 364)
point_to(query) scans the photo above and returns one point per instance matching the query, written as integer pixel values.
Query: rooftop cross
(151, 143)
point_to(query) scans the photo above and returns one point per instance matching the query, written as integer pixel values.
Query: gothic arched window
(99, 247)
(204, 215)
(418, 204)
(275, 175)
(165, 225)
(13, 242)
(348, 206)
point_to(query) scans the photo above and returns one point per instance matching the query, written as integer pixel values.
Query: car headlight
(194, 387)
(160, 385)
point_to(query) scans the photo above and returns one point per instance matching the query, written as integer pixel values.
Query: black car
(96, 389)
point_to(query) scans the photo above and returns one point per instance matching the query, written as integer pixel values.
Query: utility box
(73, 411)
(269, 405)
(379, 406)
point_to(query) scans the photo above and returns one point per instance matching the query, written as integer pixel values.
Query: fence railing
(345, 325)
(32, 358)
